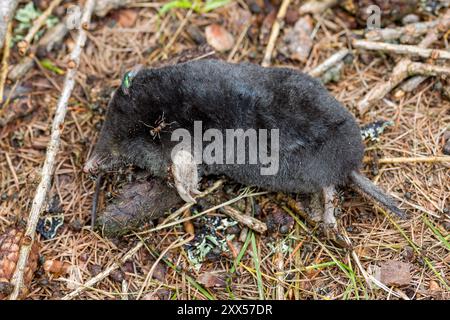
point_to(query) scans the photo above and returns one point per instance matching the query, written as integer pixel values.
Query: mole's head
(121, 133)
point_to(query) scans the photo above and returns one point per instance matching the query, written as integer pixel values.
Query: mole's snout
(92, 165)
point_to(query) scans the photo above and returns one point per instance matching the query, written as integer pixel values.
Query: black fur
(320, 140)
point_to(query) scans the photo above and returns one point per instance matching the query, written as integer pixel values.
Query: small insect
(160, 124)
(128, 78)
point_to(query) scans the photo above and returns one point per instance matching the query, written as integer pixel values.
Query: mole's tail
(366, 188)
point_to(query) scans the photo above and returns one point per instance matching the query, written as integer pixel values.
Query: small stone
(447, 135)
(292, 16)
(117, 275)
(434, 286)
(94, 269)
(284, 229)
(76, 225)
(233, 229)
(446, 225)
(219, 38)
(446, 148)
(408, 253)
(408, 195)
(254, 7)
(410, 18)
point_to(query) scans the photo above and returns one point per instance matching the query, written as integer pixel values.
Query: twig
(404, 69)
(433, 159)
(98, 184)
(20, 69)
(246, 220)
(24, 44)
(413, 29)
(4, 65)
(46, 44)
(186, 206)
(328, 63)
(378, 92)
(179, 242)
(402, 49)
(7, 9)
(275, 32)
(279, 262)
(317, 7)
(443, 24)
(238, 42)
(104, 274)
(409, 85)
(11, 167)
(52, 150)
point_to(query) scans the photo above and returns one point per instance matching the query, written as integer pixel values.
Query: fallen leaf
(126, 18)
(219, 38)
(395, 273)
(434, 286)
(57, 267)
(211, 280)
(298, 39)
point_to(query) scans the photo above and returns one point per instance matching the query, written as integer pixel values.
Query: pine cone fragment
(10, 243)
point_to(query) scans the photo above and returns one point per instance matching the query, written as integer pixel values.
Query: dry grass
(311, 267)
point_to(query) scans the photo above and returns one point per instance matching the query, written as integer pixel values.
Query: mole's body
(320, 143)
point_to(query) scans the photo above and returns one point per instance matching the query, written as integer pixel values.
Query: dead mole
(275, 128)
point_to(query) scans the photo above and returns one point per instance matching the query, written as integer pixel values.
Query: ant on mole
(160, 125)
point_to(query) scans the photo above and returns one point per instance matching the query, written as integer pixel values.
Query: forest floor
(294, 259)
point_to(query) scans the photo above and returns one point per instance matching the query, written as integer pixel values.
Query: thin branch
(275, 32)
(404, 69)
(399, 74)
(7, 9)
(408, 31)
(5, 58)
(48, 42)
(328, 63)
(24, 44)
(432, 159)
(105, 273)
(52, 150)
(246, 220)
(401, 49)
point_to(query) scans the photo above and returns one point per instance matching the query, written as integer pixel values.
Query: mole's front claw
(185, 175)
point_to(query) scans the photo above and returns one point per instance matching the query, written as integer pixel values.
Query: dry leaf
(211, 280)
(219, 38)
(56, 267)
(434, 286)
(395, 273)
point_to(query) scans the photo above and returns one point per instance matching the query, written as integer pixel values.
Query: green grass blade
(257, 266)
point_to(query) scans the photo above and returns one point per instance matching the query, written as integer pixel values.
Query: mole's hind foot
(185, 175)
